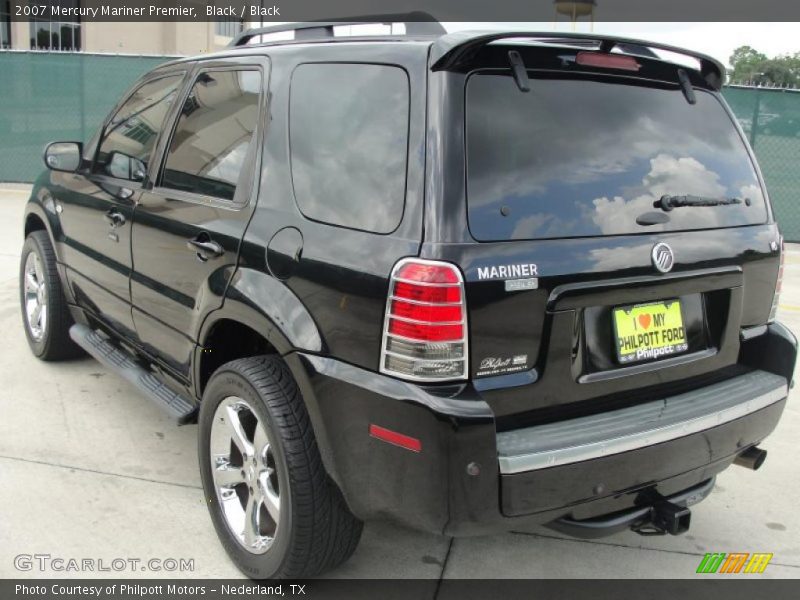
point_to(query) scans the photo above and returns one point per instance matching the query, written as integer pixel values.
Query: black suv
(469, 282)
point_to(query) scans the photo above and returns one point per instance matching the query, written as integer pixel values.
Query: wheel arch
(261, 307)
(40, 215)
(37, 219)
(226, 338)
(34, 222)
(251, 329)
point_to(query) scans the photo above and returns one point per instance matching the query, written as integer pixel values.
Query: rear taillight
(425, 328)
(778, 284)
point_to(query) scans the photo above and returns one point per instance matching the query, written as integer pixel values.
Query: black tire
(317, 531)
(54, 342)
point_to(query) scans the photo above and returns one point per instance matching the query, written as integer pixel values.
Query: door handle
(114, 218)
(205, 247)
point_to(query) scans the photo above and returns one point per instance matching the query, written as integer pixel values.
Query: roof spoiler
(455, 50)
(417, 23)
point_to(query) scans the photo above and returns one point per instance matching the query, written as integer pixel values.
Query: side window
(129, 139)
(213, 138)
(349, 144)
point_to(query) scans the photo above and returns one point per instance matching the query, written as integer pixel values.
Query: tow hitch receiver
(671, 518)
(665, 517)
(653, 514)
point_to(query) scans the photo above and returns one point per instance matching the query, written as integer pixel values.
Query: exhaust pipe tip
(752, 458)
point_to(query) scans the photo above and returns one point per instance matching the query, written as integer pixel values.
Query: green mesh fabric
(46, 97)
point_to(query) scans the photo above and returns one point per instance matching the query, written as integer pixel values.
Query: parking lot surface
(91, 469)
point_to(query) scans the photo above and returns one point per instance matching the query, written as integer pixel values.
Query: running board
(123, 364)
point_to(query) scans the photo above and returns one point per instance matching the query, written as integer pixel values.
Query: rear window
(576, 158)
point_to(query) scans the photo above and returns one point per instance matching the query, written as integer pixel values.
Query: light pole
(574, 9)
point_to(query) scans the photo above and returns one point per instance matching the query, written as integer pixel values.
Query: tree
(750, 65)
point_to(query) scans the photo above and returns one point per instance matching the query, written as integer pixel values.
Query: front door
(96, 205)
(188, 226)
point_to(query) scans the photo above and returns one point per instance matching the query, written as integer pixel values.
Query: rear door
(579, 281)
(188, 226)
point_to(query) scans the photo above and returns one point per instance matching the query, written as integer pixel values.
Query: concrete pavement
(91, 469)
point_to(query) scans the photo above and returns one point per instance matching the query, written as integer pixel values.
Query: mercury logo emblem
(663, 258)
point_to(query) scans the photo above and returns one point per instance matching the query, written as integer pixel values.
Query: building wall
(162, 38)
(149, 38)
(20, 35)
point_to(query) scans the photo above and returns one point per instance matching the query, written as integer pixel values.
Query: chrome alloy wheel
(35, 297)
(245, 474)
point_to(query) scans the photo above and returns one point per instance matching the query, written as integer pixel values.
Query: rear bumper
(584, 477)
(625, 449)
(655, 422)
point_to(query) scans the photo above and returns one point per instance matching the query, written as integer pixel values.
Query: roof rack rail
(455, 50)
(417, 23)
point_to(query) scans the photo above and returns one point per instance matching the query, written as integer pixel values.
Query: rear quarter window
(348, 130)
(581, 157)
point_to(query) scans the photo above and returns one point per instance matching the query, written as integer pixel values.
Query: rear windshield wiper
(667, 203)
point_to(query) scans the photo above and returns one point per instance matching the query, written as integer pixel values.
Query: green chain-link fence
(771, 120)
(57, 96)
(61, 96)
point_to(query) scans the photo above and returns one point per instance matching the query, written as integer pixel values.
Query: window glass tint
(212, 140)
(228, 28)
(129, 139)
(47, 32)
(349, 144)
(586, 158)
(5, 24)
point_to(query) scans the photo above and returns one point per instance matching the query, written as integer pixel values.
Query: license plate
(649, 331)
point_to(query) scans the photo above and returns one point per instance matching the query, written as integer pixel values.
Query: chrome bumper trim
(626, 429)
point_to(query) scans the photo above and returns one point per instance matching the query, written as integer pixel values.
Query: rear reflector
(607, 61)
(392, 437)
(425, 327)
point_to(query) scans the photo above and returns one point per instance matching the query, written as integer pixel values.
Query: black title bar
(443, 10)
(703, 587)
